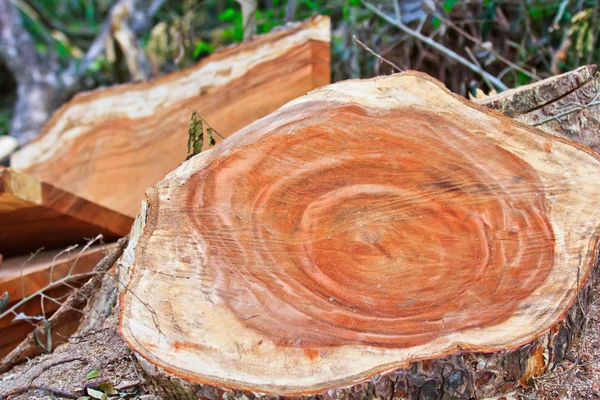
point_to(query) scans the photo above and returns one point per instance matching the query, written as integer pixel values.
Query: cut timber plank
(34, 214)
(373, 238)
(22, 277)
(109, 145)
(539, 104)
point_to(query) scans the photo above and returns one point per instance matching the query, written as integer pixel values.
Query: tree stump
(565, 105)
(378, 237)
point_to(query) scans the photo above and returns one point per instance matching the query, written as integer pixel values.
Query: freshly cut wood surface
(382, 237)
(109, 145)
(34, 214)
(557, 105)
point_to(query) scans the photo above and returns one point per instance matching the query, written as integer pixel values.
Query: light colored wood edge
(30, 190)
(43, 147)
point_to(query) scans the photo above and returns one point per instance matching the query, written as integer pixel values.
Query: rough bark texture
(128, 137)
(565, 105)
(374, 238)
(36, 215)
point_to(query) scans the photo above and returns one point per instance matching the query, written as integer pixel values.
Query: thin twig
(474, 59)
(367, 48)
(49, 389)
(74, 300)
(499, 56)
(438, 46)
(592, 103)
(206, 122)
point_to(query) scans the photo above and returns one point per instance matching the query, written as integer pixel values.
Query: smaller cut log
(21, 277)
(36, 215)
(375, 238)
(566, 105)
(109, 145)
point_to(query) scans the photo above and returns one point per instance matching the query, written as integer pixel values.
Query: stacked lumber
(108, 146)
(391, 240)
(36, 214)
(87, 172)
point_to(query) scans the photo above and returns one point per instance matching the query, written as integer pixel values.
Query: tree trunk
(373, 238)
(128, 137)
(565, 105)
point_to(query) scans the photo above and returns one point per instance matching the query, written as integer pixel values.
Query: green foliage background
(545, 37)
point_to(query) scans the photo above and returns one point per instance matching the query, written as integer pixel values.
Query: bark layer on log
(545, 104)
(34, 214)
(109, 145)
(378, 237)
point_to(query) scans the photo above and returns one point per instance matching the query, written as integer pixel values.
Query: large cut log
(109, 145)
(36, 215)
(566, 105)
(378, 237)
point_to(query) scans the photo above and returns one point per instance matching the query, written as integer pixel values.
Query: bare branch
(74, 300)
(438, 46)
(248, 17)
(367, 48)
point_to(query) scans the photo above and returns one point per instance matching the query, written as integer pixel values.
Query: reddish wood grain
(354, 232)
(36, 215)
(322, 242)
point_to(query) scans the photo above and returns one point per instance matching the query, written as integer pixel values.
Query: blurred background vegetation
(516, 41)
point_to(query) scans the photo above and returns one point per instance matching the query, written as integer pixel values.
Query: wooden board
(36, 215)
(374, 238)
(109, 145)
(22, 277)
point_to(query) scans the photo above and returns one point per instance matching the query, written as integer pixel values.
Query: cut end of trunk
(361, 228)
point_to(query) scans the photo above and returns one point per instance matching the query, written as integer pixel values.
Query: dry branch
(73, 302)
(41, 84)
(438, 46)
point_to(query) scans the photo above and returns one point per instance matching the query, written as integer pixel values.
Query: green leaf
(435, 22)
(196, 135)
(3, 302)
(449, 4)
(228, 15)
(92, 374)
(202, 47)
(63, 49)
(108, 389)
(211, 139)
(96, 394)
